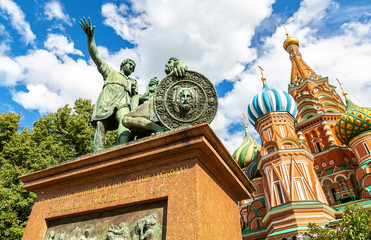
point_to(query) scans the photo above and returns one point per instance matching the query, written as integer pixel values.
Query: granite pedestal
(187, 178)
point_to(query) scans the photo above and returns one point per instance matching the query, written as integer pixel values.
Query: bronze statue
(182, 98)
(113, 102)
(142, 119)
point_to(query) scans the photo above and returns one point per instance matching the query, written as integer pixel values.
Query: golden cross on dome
(261, 71)
(244, 119)
(254, 141)
(344, 93)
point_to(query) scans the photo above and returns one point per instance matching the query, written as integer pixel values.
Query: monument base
(178, 185)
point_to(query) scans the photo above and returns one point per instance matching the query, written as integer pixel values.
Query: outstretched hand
(176, 66)
(88, 29)
(179, 68)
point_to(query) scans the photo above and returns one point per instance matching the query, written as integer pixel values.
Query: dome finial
(254, 141)
(263, 78)
(244, 119)
(344, 93)
(289, 40)
(287, 34)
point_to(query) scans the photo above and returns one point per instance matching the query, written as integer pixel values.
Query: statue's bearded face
(169, 66)
(186, 100)
(128, 68)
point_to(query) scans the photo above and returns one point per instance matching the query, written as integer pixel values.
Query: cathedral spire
(299, 68)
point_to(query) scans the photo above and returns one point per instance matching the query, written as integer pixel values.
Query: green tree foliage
(54, 138)
(356, 226)
(9, 125)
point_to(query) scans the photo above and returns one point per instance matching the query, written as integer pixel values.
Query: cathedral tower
(291, 186)
(319, 108)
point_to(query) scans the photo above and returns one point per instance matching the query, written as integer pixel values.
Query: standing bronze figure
(114, 101)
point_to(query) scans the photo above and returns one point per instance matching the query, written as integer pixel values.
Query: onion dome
(289, 41)
(245, 153)
(252, 169)
(270, 100)
(354, 121)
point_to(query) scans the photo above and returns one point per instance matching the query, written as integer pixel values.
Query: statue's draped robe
(116, 94)
(145, 109)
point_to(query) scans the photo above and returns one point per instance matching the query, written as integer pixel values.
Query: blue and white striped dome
(270, 100)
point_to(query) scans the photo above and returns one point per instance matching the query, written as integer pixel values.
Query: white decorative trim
(305, 167)
(282, 131)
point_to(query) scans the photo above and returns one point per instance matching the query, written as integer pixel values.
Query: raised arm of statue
(92, 47)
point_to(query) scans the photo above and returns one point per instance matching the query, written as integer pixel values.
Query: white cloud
(16, 15)
(312, 11)
(38, 97)
(54, 10)
(127, 28)
(65, 77)
(10, 71)
(59, 45)
(4, 48)
(4, 44)
(204, 35)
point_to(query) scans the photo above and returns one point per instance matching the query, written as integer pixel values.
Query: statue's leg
(141, 122)
(100, 136)
(123, 133)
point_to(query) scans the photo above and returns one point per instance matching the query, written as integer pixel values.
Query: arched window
(279, 194)
(342, 183)
(329, 190)
(366, 147)
(287, 146)
(318, 146)
(270, 149)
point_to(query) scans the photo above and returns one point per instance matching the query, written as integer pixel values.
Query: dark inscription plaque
(144, 222)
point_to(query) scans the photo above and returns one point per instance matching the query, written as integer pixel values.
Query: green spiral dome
(353, 122)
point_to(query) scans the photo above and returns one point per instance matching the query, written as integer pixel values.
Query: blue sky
(44, 62)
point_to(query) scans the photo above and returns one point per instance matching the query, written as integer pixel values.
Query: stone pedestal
(186, 177)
